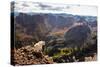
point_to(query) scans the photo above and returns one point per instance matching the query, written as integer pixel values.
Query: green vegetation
(59, 52)
(65, 51)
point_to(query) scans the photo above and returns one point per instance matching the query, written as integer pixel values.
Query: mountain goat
(39, 46)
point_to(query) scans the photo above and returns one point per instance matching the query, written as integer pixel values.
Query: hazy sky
(55, 8)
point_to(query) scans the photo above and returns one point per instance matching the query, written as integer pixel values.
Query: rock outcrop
(27, 55)
(77, 35)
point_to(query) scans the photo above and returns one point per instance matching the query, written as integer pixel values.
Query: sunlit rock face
(39, 46)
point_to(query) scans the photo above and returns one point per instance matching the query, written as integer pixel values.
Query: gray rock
(77, 36)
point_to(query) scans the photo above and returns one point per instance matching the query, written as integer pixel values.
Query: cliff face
(77, 35)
